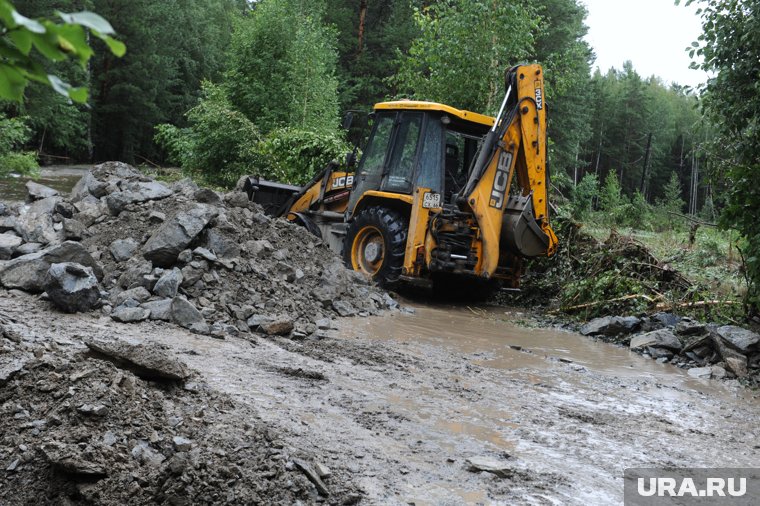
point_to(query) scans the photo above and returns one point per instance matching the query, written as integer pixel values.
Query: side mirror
(348, 119)
(350, 159)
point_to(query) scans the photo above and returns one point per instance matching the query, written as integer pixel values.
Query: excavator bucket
(520, 232)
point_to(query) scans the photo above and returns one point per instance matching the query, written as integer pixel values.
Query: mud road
(397, 404)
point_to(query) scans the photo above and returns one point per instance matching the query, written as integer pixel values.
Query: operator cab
(419, 144)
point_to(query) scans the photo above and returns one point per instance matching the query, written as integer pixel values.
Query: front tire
(376, 244)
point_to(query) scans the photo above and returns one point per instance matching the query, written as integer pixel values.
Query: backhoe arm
(509, 220)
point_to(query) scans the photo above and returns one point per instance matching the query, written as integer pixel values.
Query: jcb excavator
(433, 193)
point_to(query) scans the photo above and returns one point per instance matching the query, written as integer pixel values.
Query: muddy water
(494, 338)
(554, 402)
(61, 177)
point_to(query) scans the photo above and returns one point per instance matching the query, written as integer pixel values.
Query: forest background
(223, 88)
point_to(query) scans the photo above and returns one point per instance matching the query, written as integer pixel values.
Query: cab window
(404, 155)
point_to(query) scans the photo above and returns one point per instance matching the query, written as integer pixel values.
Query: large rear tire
(376, 243)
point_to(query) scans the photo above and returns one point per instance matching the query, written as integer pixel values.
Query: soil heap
(213, 263)
(113, 422)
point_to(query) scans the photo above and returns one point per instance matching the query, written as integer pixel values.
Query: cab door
(404, 154)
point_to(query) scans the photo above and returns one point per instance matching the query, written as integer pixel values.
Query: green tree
(566, 57)
(611, 200)
(584, 194)
(282, 64)
(174, 45)
(463, 49)
(371, 36)
(730, 51)
(672, 199)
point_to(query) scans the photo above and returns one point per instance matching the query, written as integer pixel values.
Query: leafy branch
(25, 44)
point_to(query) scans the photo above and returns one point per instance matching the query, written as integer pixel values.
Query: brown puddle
(491, 339)
(547, 361)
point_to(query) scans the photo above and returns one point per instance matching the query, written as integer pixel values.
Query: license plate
(431, 200)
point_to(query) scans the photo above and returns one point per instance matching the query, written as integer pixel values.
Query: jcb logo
(342, 182)
(539, 96)
(500, 181)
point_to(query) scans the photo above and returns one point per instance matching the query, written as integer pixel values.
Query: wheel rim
(368, 251)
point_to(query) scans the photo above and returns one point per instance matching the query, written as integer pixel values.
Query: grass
(712, 260)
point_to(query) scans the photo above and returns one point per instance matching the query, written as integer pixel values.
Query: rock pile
(113, 423)
(708, 351)
(215, 264)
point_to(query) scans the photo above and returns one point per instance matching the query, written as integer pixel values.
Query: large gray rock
(73, 230)
(689, 327)
(168, 284)
(184, 313)
(72, 287)
(736, 337)
(123, 249)
(9, 243)
(136, 273)
(7, 223)
(662, 338)
(89, 186)
(138, 293)
(28, 272)
(126, 314)
(26, 248)
(176, 234)
(489, 465)
(36, 191)
(134, 193)
(89, 210)
(146, 360)
(344, 308)
(35, 221)
(159, 309)
(611, 326)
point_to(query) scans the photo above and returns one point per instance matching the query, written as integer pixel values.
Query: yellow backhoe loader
(435, 193)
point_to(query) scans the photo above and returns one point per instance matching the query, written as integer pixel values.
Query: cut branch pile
(588, 278)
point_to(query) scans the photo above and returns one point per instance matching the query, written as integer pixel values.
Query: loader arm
(515, 145)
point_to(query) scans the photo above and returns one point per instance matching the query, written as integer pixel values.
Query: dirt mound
(79, 427)
(213, 263)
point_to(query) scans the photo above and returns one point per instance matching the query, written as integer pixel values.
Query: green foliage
(565, 55)
(639, 212)
(371, 35)
(295, 156)
(611, 200)
(625, 109)
(730, 51)
(176, 143)
(221, 144)
(282, 63)
(218, 145)
(173, 46)
(671, 200)
(26, 44)
(584, 194)
(463, 50)
(14, 133)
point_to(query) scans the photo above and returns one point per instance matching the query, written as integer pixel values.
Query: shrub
(584, 193)
(14, 133)
(294, 156)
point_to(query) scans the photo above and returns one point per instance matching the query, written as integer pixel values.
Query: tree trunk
(362, 22)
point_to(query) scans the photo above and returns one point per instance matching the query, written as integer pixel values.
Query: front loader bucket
(273, 197)
(520, 232)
